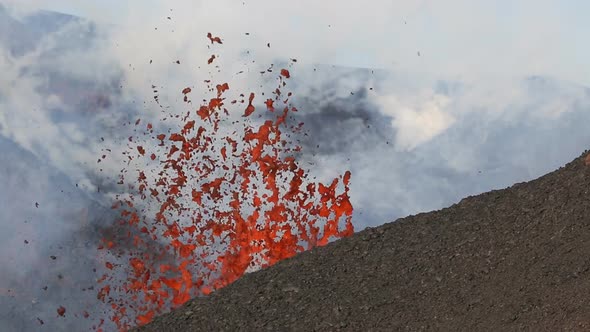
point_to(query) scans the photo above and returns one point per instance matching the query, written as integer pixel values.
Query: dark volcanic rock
(511, 259)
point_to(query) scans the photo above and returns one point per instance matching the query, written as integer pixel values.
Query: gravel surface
(505, 260)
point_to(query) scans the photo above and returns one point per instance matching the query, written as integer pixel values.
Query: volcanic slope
(510, 259)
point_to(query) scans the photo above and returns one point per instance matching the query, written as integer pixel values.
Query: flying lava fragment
(214, 39)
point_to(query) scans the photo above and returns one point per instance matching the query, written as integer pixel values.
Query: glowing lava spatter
(225, 204)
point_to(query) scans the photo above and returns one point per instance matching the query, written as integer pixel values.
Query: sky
(455, 38)
(456, 98)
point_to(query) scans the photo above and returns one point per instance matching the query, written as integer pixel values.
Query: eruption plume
(206, 206)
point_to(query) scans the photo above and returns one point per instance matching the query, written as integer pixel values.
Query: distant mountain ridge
(21, 36)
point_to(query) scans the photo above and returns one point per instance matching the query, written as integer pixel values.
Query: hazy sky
(458, 38)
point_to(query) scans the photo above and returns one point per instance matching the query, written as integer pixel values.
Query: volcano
(464, 267)
(510, 259)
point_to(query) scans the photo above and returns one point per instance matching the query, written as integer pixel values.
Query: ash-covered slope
(510, 259)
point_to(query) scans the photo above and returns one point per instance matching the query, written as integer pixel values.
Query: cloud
(484, 69)
(416, 124)
(456, 39)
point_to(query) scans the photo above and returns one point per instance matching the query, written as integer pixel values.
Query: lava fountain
(205, 205)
